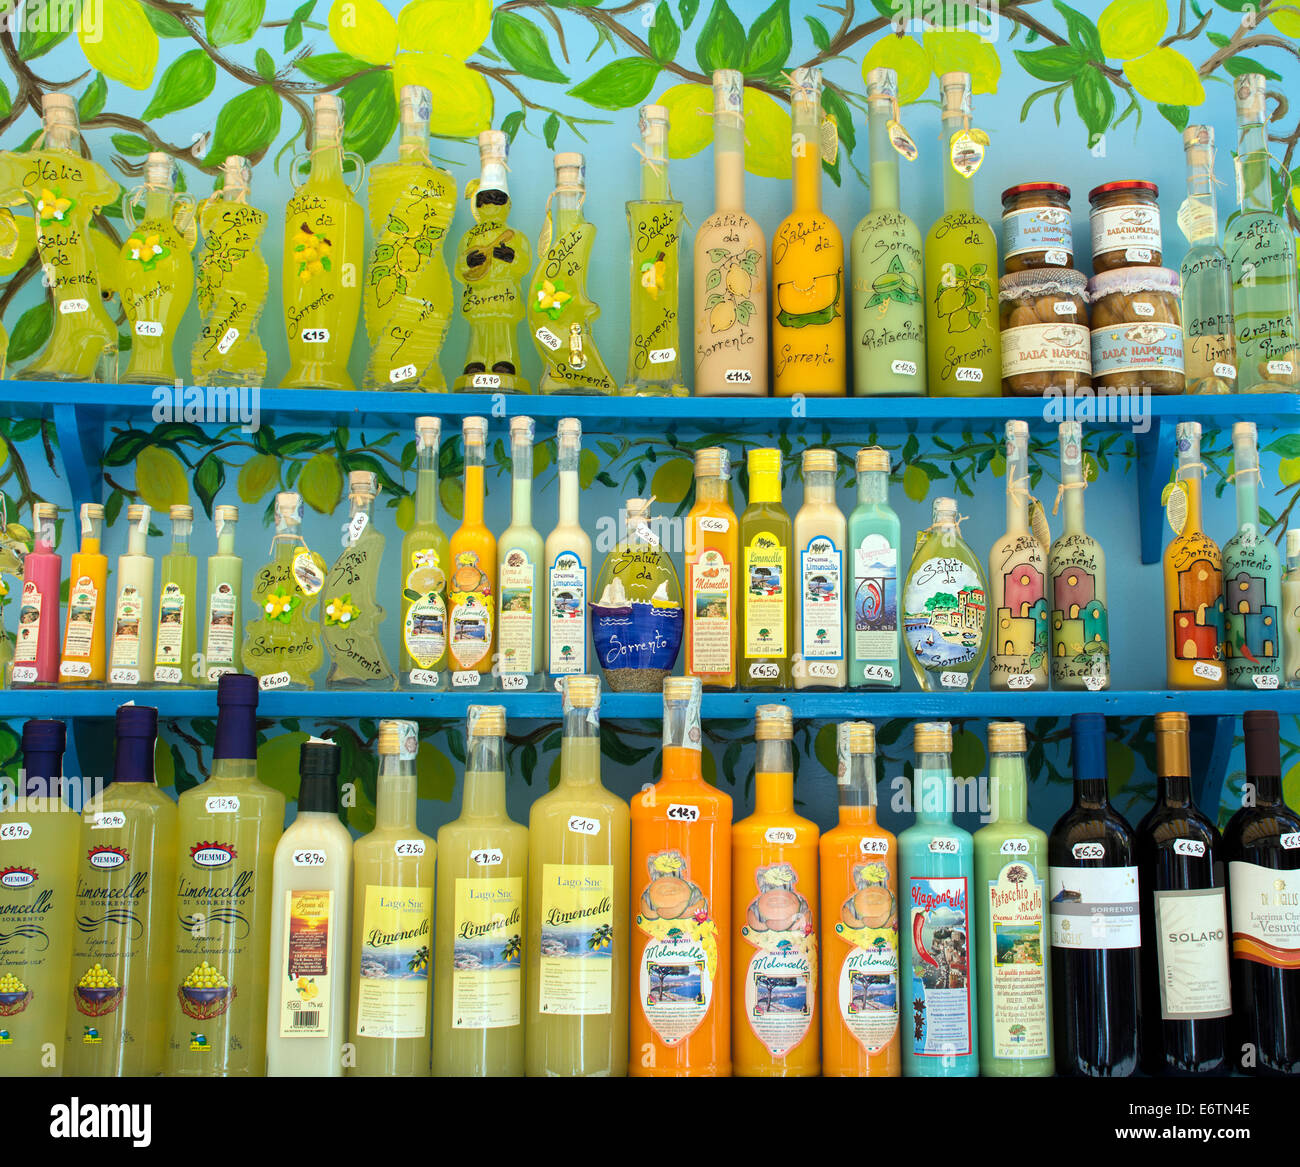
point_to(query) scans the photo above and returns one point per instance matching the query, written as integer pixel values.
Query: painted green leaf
(1175, 115)
(265, 64)
(834, 104)
(551, 130)
(665, 36)
(231, 22)
(524, 45)
(209, 477)
(721, 44)
(1236, 65)
(164, 23)
(688, 9)
(187, 81)
(372, 112)
(292, 35)
(45, 23)
(132, 145)
(1083, 33)
(246, 125)
(90, 104)
(1054, 63)
(31, 331)
(1095, 101)
(821, 38)
(619, 84)
(511, 122)
(330, 68)
(769, 42)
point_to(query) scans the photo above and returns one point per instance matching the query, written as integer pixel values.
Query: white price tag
(1138, 255)
(216, 672)
(1290, 841)
(1014, 847)
(1055, 257)
(464, 679)
(1281, 368)
(309, 857)
(425, 678)
(944, 845)
(315, 336)
(1094, 683)
(822, 668)
(782, 835)
(549, 339)
(485, 381)
(682, 813)
(584, 826)
(73, 307)
(1143, 309)
(167, 675)
(715, 524)
(951, 680)
(108, 820)
(511, 681)
(402, 373)
(882, 673)
(1088, 851)
(487, 857)
(10, 832)
(1064, 308)
(903, 368)
(124, 677)
(661, 356)
(413, 847)
(25, 674)
(1262, 680)
(869, 845)
(74, 668)
(764, 671)
(738, 377)
(148, 328)
(227, 342)
(646, 535)
(1189, 847)
(1020, 681)
(1207, 670)
(964, 374)
(221, 804)
(1223, 370)
(356, 525)
(274, 681)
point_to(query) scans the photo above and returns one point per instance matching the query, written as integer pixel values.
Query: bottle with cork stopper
(712, 563)
(1291, 612)
(520, 637)
(874, 541)
(85, 635)
(426, 556)
(567, 557)
(36, 641)
(472, 585)
(1210, 359)
(130, 653)
(820, 536)
(222, 644)
(176, 644)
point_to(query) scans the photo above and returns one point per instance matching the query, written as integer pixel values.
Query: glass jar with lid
(1036, 227)
(1125, 225)
(1137, 331)
(1045, 340)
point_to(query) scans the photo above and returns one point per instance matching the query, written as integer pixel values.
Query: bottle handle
(185, 218)
(353, 156)
(129, 199)
(296, 163)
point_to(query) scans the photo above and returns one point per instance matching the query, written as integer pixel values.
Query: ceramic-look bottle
(425, 558)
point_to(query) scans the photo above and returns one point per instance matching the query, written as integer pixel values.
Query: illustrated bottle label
(940, 972)
(944, 607)
(1265, 914)
(566, 589)
(780, 989)
(868, 983)
(29, 625)
(518, 583)
(887, 274)
(728, 316)
(1017, 935)
(1252, 646)
(807, 290)
(1039, 229)
(171, 628)
(1094, 907)
(471, 613)
(821, 606)
(1192, 948)
(1130, 348)
(1046, 348)
(709, 610)
(126, 629)
(875, 600)
(306, 963)
(424, 630)
(656, 234)
(486, 979)
(766, 597)
(1135, 231)
(1197, 619)
(680, 960)
(79, 636)
(27, 903)
(222, 605)
(637, 633)
(575, 967)
(396, 946)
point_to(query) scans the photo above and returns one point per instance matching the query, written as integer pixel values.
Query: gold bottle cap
(1250, 89)
(288, 505)
(237, 176)
(873, 460)
(1173, 755)
(136, 511)
(44, 512)
(486, 721)
(858, 737)
(583, 691)
(181, 511)
(712, 462)
(398, 738)
(1006, 737)
(363, 482)
(522, 429)
(473, 431)
(226, 513)
(328, 116)
(932, 737)
(773, 723)
(882, 83)
(815, 461)
(59, 109)
(764, 460)
(729, 93)
(682, 688)
(1293, 543)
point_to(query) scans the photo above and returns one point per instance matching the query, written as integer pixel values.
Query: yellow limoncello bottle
(232, 284)
(408, 289)
(324, 237)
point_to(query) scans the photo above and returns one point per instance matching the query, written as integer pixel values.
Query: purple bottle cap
(43, 744)
(236, 717)
(137, 727)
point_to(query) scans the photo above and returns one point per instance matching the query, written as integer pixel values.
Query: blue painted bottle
(937, 865)
(873, 616)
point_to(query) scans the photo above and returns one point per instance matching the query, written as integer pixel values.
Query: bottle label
(30, 905)
(709, 606)
(961, 326)
(1017, 935)
(575, 965)
(1211, 356)
(126, 629)
(1197, 618)
(1094, 907)
(78, 638)
(306, 963)
(424, 629)
(875, 600)
(940, 972)
(729, 320)
(1252, 647)
(680, 960)
(1265, 914)
(868, 981)
(29, 625)
(944, 607)
(631, 632)
(171, 628)
(780, 989)
(1128, 348)
(471, 613)
(566, 589)
(110, 894)
(766, 597)
(220, 647)
(1046, 348)
(887, 277)
(396, 947)
(1080, 625)
(486, 979)
(308, 572)
(1039, 229)
(516, 621)
(821, 606)
(1130, 228)
(1192, 946)
(808, 288)
(1019, 629)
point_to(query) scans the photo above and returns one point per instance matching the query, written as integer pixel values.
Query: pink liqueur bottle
(36, 651)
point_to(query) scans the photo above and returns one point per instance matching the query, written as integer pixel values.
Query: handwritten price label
(583, 826)
(1088, 851)
(124, 677)
(227, 342)
(315, 336)
(73, 307)
(881, 674)
(1094, 683)
(872, 846)
(549, 339)
(1015, 847)
(1207, 670)
(661, 356)
(74, 668)
(951, 680)
(682, 813)
(764, 671)
(108, 820)
(944, 846)
(738, 377)
(309, 858)
(413, 847)
(485, 381)
(425, 678)
(903, 368)
(25, 674)
(514, 681)
(781, 835)
(1192, 847)
(1290, 842)
(221, 804)
(1281, 368)
(148, 328)
(356, 525)
(10, 832)
(464, 679)
(1224, 370)
(216, 672)
(715, 524)
(822, 669)
(402, 373)
(970, 374)
(1262, 680)
(1020, 681)
(488, 857)
(167, 675)
(274, 681)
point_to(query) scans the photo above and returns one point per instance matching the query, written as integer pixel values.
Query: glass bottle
(859, 894)
(1076, 566)
(1018, 580)
(937, 873)
(176, 645)
(820, 534)
(766, 542)
(888, 327)
(233, 284)
(577, 939)
(132, 644)
(874, 537)
(392, 921)
(222, 644)
(492, 264)
(65, 191)
(156, 272)
(808, 355)
(519, 553)
(1262, 255)
(711, 565)
(471, 590)
(324, 240)
(1290, 612)
(654, 359)
(945, 606)
(774, 917)
(351, 613)
(36, 641)
(425, 558)
(282, 641)
(1011, 914)
(121, 952)
(1264, 886)
(1252, 578)
(730, 264)
(1096, 929)
(680, 962)
(1186, 996)
(1211, 356)
(561, 316)
(84, 633)
(964, 352)
(636, 619)
(1193, 570)
(568, 563)
(408, 298)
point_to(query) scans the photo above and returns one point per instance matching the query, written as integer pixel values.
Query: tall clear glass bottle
(519, 591)
(85, 630)
(351, 613)
(1209, 334)
(176, 645)
(820, 536)
(567, 557)
(874, 540)
(426, 556)
(222, 643)
(766, 542)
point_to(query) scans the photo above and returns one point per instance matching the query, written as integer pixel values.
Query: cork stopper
(59, 110)
(569, 430)
(882, 84)
(1244, 431)
(653, 124)
(182, 512)
(1006, 737)
(226, 513)
(712, 462)
(1198, 143)
(1293, 543)
(932, 737)
(415, 108)
(327, 122)
(288, 506)
(638, 508)
(363, 484)
(682, 688)
(581, 692)
(486, 721)
(1250, 90)
(398, 739)
(522, 429)
(473, 431)
(773, 723)
(857, 737)
(428, 432)
(1173, 756)
(236, 178)
(729, 94)
(956, 90)
(160, 171)
(493, 146)
(945, 510)
(818, 461)
(44, 512)
(570, 171)
(873, 460)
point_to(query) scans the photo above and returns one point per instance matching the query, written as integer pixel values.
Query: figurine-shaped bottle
(65, 191)
(492, 264)
(1018, 582)
(282, 641)
(874, 541)
(233, 283)
(36, 642)
(350, 609)
(888, 327)
(408, 289)
(472, 587)
(730, 263)
(324, 238)
(654, 358)
(945, 606)
(568, 565)
(560, 313)
(1076, 567)
(131, 651)
(222, 643)
(963, 349)
(1252, 579)
(1291, 612)
(1210, 337)
(519, 558)
(1193, 571)
(156, 272)
(85, 635)
(425, 556)
(808, 266)
(176, 644)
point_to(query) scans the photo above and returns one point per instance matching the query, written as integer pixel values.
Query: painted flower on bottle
(147, 251)
(341, 611)
(551, 297)
(53, 206)
(279, 606)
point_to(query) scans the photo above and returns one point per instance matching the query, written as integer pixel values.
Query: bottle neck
(1017, 500)
(568, 512)
(819, 487)
(158, 202)
(133, 759)
(395, 792)
(361, 504)
(226, 538)
(426, 484)
(1174, 790)
(712, 488)
(806, 124)
(485, 779)
(1008, 788)
(1200, 190)
(728, 164)
(236, 741)
(1091, 793)
(1072, 472)
(654, 165)
(181, 538)
(1256, 168)
(773, 778)
(472, 507)
(958, 194)
(233, 768)
(764, 486)
(933, 788)
(580, 748)
(884, 158)
(521, 484)
(873, 488)
(1190, 476)
(566, 208)
(59, 136)
(327, 159)
(137, 540)
(42, 774)
(857, 787)
(414, 144)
